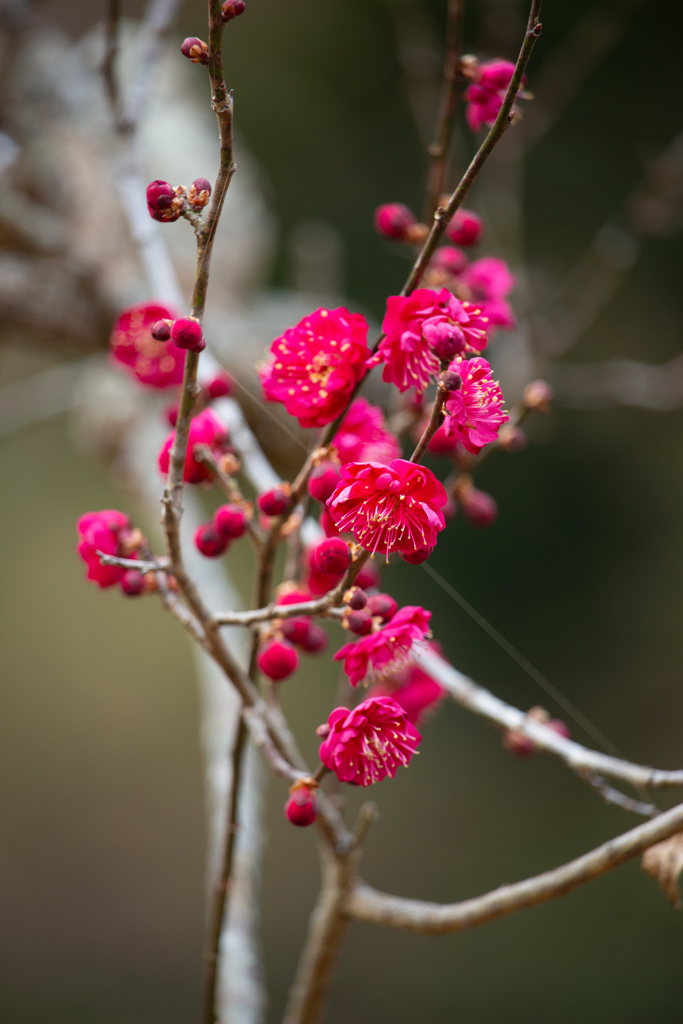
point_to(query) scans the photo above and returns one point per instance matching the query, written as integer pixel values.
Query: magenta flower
(364, 437)
(388, 649)
(370, 742)
(315, 365)
(486, 94)
(475, 413)
(389, 508)
(489, 282)
(417, 327)
(155, 363)
(205, 429)
(100, 531)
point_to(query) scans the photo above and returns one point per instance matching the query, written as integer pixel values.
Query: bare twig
(440, 149)
(110, 51)
(319, 606)
(220, 895)
(444, 214)
(367, 904)
(619, 799)
(159, 564)
(328, 926)
(580, 759)
(434, 421)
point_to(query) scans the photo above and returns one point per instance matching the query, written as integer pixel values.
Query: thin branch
(110, 51)
(220, 895)
(158, 565)
(367, 904)
(440, 149)
(328, 926)
(580, 759)
(434, 421)
(444, 214)
(322, 606)
(619, 799)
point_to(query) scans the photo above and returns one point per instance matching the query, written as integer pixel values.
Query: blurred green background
(101, 880)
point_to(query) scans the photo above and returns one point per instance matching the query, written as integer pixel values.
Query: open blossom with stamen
(363, 435)
(389, 508)
(407, 349)
(155, 363)
(489, 282)
(315, 365)
(370, 742)
(475, 413)
(205, 429)
(388, 649)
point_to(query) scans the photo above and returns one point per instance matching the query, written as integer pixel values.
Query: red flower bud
(275, 501)
(232, 9)
(450, 381)
(332, 556)
(172, 414)
(317, 639)
(220, 387)
(160, 196)
(479, 508)
(355, 598)
(450, 259)
(301, 806)
(277, 659)
(518, 744)
(210, 541)
(560, 727)
(393, 221)
(132, 582)
(382, 605)
(465, 228)
(359, 622)
(231, 521)
(187, 333)
(512, 439)
(296, 629)
(537, 396)
(417, 557)
(195, 50)
(323, 480)
(161, 330)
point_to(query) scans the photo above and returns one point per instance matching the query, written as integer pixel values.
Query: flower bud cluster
(228, 524)
(110, 532)
(166, 202)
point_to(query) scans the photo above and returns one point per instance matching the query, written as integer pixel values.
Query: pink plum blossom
(157, 364)
(100, 531)
(315, 366)
(370, 742)
(205, 429)
(475, 413)
(363, 435)
(486, 94)
(388, 648)
(413, 325)
(389, 508)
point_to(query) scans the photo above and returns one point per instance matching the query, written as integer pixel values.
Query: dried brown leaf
(664, 861)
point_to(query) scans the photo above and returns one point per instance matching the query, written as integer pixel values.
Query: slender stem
(443, 214)
(220, 895)
(440, 149)
(328, 926)
(323, 606)
(434, 420)
(111, 42)
(367, 904)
